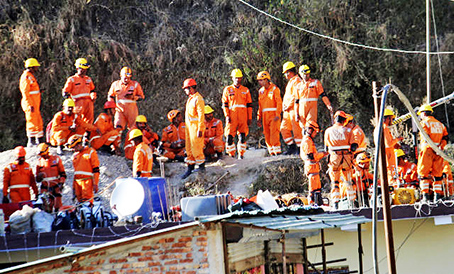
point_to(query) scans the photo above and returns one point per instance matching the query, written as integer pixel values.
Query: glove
(5, 200)
(66, 95)
(93, 96)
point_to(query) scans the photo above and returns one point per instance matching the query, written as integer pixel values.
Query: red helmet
(189, 83)
(20, 151)
(172, 114)
(109, 104)
(341, 114)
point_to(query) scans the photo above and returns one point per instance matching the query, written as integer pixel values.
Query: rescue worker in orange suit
(126, 93)
(306, 97)
(173, 137)
(407, 171)
(311, 158)
(110, 138)
(80, 88)
(213, 144)
(66, 124)
(429, 163)
(362, 178)
(237, 106)
(143, 155)
(86, 170)
(149, 137)
(18, 178)
(195, 127)
(339, 141)
(358, 134)
(50, 172)
(269, 112)
(31, 102)
(289, 123)
(448, 179)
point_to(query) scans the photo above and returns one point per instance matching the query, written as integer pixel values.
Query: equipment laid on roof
(192, 207)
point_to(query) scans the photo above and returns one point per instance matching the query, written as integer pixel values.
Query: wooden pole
(360, 250)
(305, 262)
(284, 258)
(322, 235)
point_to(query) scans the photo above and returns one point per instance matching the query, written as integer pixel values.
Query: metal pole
(375, 196)
(428, 50)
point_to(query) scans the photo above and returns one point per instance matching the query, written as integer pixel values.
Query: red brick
(202, 239)
(181, 244)
(185, 239)
(201, 243)
(173, 272)
(166, 240)
(190, 272)
(136, 254)
(189, 255)
(113, 272)
(146, 247)
(122, 260)
(98, 262)
(199, 233)
(202, 249)
(186, 261)
(171, 262)
(154, 263)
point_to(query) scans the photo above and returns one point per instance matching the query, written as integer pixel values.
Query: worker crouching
(173, 141)
(214, 145)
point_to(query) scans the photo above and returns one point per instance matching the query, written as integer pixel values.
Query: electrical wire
(342, 41)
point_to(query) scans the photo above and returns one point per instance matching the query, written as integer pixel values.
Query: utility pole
(428, 50)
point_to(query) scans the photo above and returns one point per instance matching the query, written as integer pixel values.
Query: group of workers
(200, 135)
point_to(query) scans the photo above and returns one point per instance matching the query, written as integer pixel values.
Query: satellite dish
(127, 197)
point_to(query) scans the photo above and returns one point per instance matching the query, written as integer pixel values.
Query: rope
(342, 41)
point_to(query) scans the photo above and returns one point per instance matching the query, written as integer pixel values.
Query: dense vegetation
(167, 41)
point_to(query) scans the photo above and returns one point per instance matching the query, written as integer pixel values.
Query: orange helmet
(73, 141)
(20, 151)
(172, 114)
(363, 157)
(341, 114)
(126, 71)
(43, 149)
(312, 124)
(109, 104)
(348, 119)
(263, 75)
(189, 83)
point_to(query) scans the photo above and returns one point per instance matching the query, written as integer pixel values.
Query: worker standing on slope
(430, 165)
(109, 138)
(237, 106)
(289, 124)
(125, 92)
(269, 112)
(149, 137)
(306, 97)
(214, 145)
(340, 144)
(80, 88)
(311, 158)
(50, 172)
(143, 155)
(173, 137)
(31, 102)
(86, 170)
(18, 178)
(195, 127)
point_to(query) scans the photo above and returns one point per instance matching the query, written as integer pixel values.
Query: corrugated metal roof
(300, 218)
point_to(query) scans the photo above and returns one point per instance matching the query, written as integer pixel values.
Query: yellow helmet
(363, 157)
(288, 65)
(348, 119)
(389, 112)
(141, 119)
(73, 141)
(208, 109)
(236, 73)
(31, 62)
(69, 103)
(135, 133)
(263, 75)
(425, 107)
(172, 114)
(399, 153)
(43, 149)
(82, 63)
(126, 71)
(304, 69)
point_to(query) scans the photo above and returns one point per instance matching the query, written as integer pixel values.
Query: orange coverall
(311, 166)
(195, 122)
(18, 179)
(109, 135)
(362, 181)
(142, 160)
(237, 105)
(177, 136)
(148, 137)
(213, 133)
(125, 97)
(61, 124)
(390, 143)
(54, 174)
(359, 138)
(428, 161)
(80, 87)
(86, 174)
(338, 140)
(408, 174)
(449, 183)
(306, 95)
(31, 97)
(270, 106)
(289, 123)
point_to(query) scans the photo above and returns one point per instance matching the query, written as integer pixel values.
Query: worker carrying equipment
(31, 102)
(142, 163)
(80, 88)
(125, 92)
(174, 136)
(269, 112)
(195, 127)
(109, 138)
(150, 137)
(50, 172)
(214, 131)
(18, 178)
(290, 129)
(237, 107)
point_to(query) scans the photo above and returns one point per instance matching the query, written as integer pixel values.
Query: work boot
(425, 198)
(437, 197)
(240, 157)
(188, 171)
(219, 155)
(201, 168)
(318, 198)
(291, 149)
(179, 158)
(30, 142)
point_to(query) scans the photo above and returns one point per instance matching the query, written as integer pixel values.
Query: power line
(342, 41)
